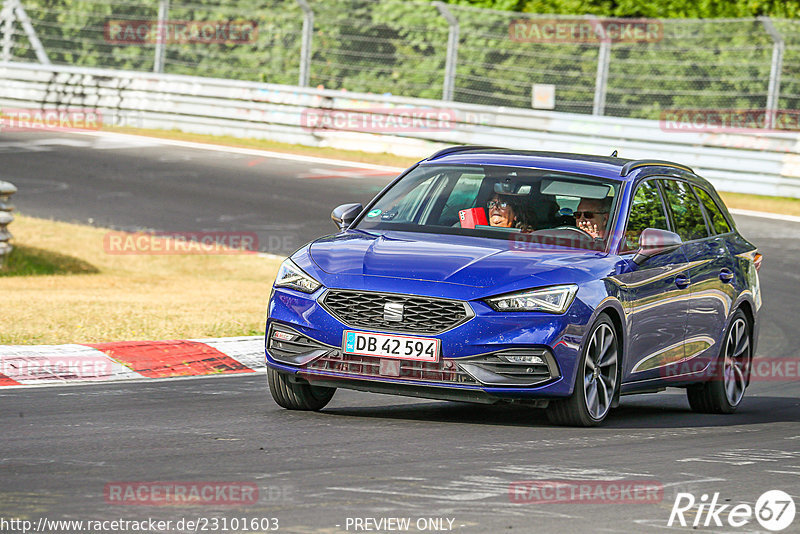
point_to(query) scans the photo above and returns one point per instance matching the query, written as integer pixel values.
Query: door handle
(726, 275)
(682, 281)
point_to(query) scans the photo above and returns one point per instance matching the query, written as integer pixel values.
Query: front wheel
(725, 391)
(596, 380)
(293, 396)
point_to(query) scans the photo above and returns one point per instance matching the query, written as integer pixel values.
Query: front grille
(421, 315)
(369, 366)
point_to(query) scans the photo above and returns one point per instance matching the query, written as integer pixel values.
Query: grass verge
(781, 205)
(124, 297)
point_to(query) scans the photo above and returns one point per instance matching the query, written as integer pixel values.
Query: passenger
(507, 211)
(592, 216)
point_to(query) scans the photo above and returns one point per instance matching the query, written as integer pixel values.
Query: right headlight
(292, 276)
(555, 299)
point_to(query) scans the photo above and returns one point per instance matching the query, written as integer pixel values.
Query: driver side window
(647, 211)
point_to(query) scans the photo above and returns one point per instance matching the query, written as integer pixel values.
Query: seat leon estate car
(558, 281)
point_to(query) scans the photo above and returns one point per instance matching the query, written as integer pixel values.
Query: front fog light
(523, 358)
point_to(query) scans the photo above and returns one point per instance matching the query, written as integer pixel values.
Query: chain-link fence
(622, 68)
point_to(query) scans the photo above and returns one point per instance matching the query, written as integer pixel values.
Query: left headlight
(554, 299)
(292, 276)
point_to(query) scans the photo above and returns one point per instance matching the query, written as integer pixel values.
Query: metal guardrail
(764, 162)
(6, 190)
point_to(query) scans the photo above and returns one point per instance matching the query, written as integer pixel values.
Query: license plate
(391, 346)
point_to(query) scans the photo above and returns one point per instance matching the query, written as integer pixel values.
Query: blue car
(553, 280)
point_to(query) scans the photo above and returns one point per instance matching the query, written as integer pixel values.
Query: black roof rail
(635, 164)
(460, 148)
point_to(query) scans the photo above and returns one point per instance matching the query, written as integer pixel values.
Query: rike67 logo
(774, 510)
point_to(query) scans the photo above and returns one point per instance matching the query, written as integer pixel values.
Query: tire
(297, 396)
(595, 391)
(724, 393)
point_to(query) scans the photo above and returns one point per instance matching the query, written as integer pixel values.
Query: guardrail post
(305, 43)
(6, 190)
(161, 36)
(7, 20)
(13, 10)
(452, 51)
(603, 60)
(774, 88)
(23, 18)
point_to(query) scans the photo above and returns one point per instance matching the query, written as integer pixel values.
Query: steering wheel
(575, 229)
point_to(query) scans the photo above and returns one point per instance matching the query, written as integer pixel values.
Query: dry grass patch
(130, 297)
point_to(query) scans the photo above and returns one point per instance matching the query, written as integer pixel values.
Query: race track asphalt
(366, 455)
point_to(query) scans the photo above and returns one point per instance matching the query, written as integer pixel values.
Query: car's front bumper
(471, 365)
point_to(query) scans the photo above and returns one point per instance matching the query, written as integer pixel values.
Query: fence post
(603, 60)
(161, 36)
(452, 51)
(7, 20)
(6, 190)
(23, 18)
(774, 88)
(305, 44)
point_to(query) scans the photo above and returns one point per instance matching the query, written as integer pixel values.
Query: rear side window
(647, 211)
(715, 216)
(686, 211)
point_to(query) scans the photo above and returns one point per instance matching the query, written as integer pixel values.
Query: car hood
(464, 260)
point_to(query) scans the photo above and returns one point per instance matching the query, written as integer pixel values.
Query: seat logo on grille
(393, 311)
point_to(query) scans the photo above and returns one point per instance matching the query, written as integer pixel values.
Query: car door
(654, 293)
(710, 273)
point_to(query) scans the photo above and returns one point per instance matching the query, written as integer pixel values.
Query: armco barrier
(6, 190)
(766, 163)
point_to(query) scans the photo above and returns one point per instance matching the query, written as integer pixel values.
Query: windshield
(500, 202)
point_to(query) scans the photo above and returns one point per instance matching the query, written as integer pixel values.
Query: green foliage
(708, 9)
(400, 47)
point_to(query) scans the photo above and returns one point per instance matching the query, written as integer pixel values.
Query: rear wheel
(294, 396)
(725, 391)
(596, 380)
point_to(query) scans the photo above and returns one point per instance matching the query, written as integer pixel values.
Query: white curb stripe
(59, 364)
(48, 365)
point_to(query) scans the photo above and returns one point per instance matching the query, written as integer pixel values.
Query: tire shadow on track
(662, 411)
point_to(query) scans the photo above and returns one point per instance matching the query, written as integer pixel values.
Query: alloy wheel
(600, 371)
(737, 358)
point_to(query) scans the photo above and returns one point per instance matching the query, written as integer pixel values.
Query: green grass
(32, 261)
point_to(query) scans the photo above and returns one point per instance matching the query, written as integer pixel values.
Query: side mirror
(653, 242)
(344, 215)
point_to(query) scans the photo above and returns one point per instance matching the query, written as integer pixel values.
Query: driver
(592, 216)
